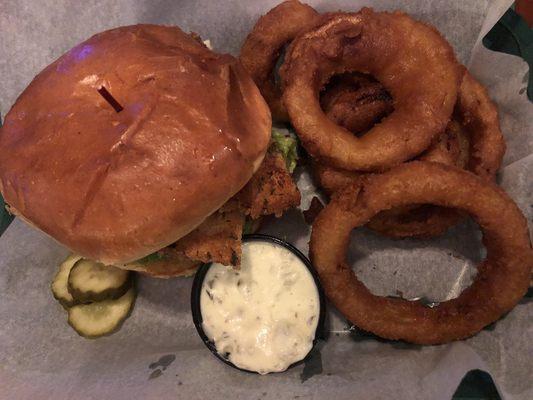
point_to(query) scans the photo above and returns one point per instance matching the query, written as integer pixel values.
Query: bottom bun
(164, 264)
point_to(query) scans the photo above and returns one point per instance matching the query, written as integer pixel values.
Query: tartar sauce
(264, 316)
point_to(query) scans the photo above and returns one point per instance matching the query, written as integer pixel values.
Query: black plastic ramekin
(197, 289)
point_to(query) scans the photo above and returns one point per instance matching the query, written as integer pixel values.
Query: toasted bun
(116, 186)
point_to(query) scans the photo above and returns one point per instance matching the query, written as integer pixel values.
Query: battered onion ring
(476, 117)
(264, 44)
(450, 149)
(502, 278)
(412, 60)
(473, 140)
(425, 221)
(421, 221)
(331, 180)
(356, 102)
(478, 114)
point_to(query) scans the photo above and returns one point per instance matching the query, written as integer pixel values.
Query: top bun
(116, 186)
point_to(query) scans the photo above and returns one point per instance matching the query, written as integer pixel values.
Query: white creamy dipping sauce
(264, 316)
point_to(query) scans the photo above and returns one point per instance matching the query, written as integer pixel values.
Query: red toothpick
(110, 99)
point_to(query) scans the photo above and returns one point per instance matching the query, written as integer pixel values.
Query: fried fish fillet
(218, 239)
(271, 190)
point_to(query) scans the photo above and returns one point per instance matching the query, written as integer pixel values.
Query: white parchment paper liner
(42, 358)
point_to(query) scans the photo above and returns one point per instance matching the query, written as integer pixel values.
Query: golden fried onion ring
(421, 221)
(264, 44)
(476, 117)
(473, 141)
(425, 221)
(450, 149)
(412, 60)
(502, 278)
(478, 114)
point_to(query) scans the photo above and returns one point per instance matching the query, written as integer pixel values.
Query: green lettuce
(150, 258)
(287, 145)
(248, 227)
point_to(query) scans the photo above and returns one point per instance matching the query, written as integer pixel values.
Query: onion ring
(450, 149)
(425, 221)
(475, 117)
(264, 44)
(478, 114)
(412, 61)
(357, 102)
(502, 278)
(472, 140)
(421, 221)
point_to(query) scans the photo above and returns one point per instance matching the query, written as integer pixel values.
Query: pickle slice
(91, 281)
(60, 283)
(101, 318)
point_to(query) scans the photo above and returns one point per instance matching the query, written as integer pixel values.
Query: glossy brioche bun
(116, 186)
